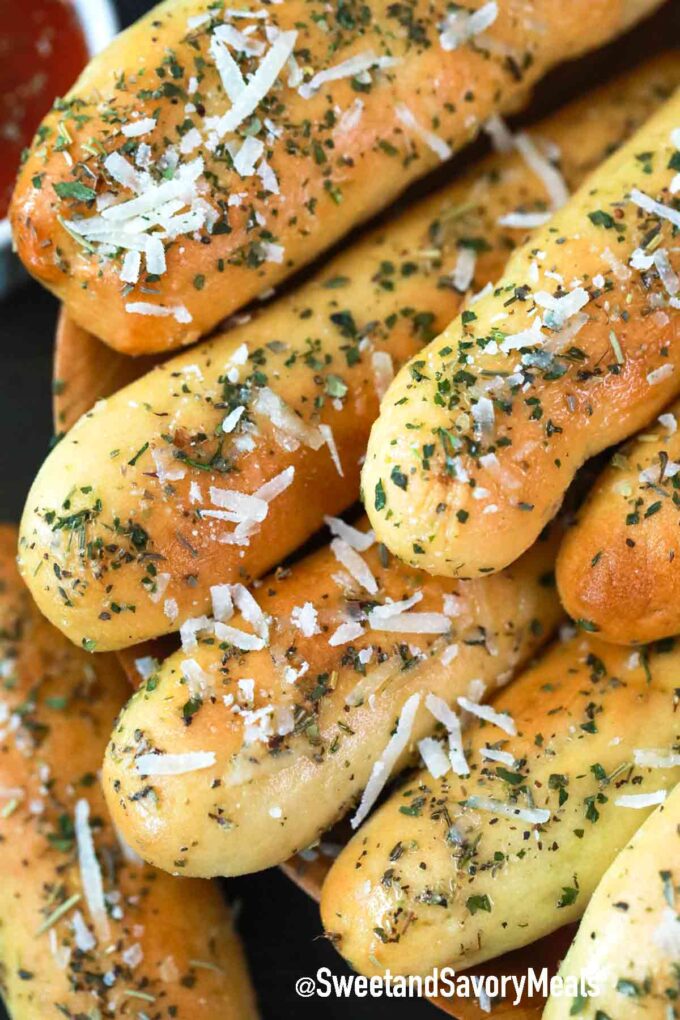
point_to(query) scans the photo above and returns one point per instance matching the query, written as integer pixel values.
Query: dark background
(279, 925)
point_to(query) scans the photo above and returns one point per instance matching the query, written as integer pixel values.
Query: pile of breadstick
(480, 674)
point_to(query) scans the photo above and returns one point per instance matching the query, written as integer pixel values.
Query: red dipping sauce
(42, 51)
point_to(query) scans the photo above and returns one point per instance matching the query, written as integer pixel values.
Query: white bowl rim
(5, 233)
(99, 22)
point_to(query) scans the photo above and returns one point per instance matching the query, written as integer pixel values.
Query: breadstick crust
(493, 407)
(329, 173)
(432, 879)
(102, 529)
(627, 941)
(617, 570)
(295, 741)
(60, 708)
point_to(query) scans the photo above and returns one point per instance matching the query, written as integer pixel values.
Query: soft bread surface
(311, 167)
(104, 530)
(296, 727)
(618, 571)
(170, 948)
(627, 943)
(434, 879)
(503, 405)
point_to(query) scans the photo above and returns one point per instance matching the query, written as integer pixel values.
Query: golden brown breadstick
(113, 523)
(208, 152)
(456, 871)
(617, 570)
(627, 946)
(83, 935)
(574, 349)
(281, 740)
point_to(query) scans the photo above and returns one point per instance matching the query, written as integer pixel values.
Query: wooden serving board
(85, 371)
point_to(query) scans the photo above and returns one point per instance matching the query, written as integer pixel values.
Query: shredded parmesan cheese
(499, 133)
(174, 764)
(179, 312)
(488, 714)
(535, 816)
(658, 375)
(353, 562)
(132, 264)
(433, 141)
(350, 68)
(493, 754)
(669, 422)
(222, 603)
(461, 25)
(551, 177)
(189, 630)
(232, 420)
(271, 406)
(276, 485)
(445, 715)
(464, 270)
(359, 540)
(241, 507)
(656, 758)
(137, 128)
(531, 337)
(327, 433)
(351, 118)
(649, 205)
(524, 220)
(383, 766)
(229, 71)
(90, 872)
(247, 156)
(410, 623)
(238, 638)
(346, 632)
(304, 618)
(641, 800)
(559, 310)
(258, 86)
(383, 372)
(434, 757)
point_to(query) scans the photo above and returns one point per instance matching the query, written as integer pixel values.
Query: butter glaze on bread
(433, 880)
(618, 569)
(384, 297)
(295, 741)
(628, 940)
(56, 711)
(490, 422)
(155, 101)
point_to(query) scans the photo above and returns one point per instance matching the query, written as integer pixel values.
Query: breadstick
(208, 153)
(627, 943)
(617, 568)
(271, 746)
(113, 520)
(573, 350)
(145, 943)
(462, 869)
